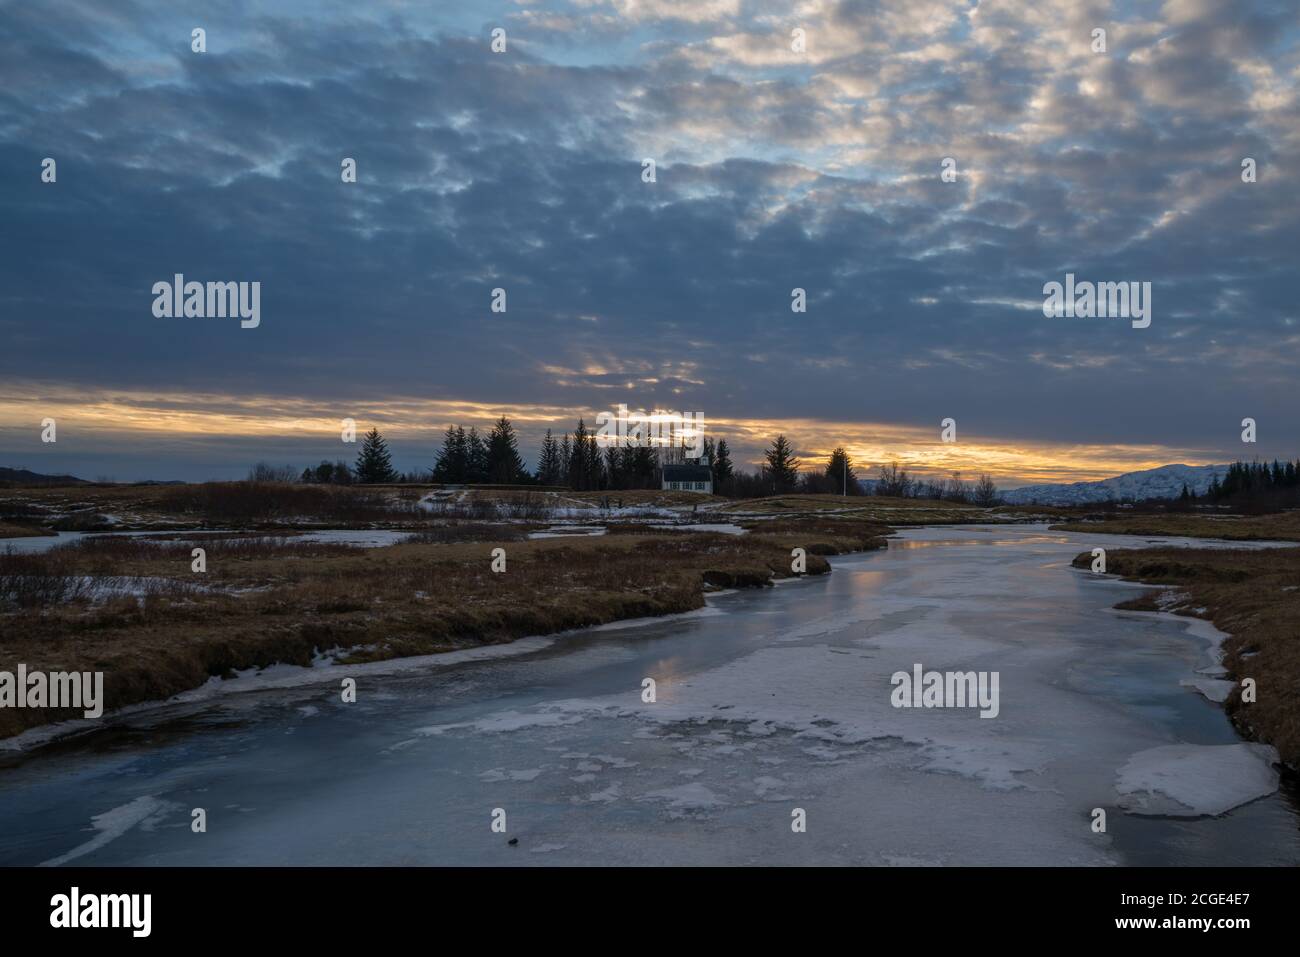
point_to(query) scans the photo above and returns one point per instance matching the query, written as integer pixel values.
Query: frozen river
(767, 701)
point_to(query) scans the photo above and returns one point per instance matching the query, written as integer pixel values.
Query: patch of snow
(723, 529)
(570, 531)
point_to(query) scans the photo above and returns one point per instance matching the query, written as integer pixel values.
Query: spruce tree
(548, 462)
(373, 461)
(782, 469)
(504, 466)
(476, 469)
(722, 468)
(627, 467)
(566, 459)
(595, 470)
(645, 466)
(452, 461)
(613, 467)
(579, 466)
(839, 472)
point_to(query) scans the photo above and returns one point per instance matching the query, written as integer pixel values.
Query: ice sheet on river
(1192, 780)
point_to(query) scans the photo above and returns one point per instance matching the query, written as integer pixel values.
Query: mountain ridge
(1166, 481)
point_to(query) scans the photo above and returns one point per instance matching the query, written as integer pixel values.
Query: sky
(775, 169)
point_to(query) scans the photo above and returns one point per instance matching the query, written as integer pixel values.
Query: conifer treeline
(466, 457)
(577, 461)
(1275, 484)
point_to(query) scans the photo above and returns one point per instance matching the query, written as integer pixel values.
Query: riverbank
(1279, 527)
(1254, 597)
(8, 530)
(136, 610)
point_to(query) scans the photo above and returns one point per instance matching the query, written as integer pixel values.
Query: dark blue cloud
(523, 171)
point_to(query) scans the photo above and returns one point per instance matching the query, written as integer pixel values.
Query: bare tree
(266, 472)
(985, 492)
(894, 482)
(957, 489)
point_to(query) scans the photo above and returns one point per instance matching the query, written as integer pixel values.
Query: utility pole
(846, 474)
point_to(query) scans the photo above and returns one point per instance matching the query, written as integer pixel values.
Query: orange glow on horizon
(121, 414)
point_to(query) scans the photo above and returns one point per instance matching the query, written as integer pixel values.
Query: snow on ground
(724, 529)
(1194, 780)
(570, 531)
(103, 588)
(362, 538)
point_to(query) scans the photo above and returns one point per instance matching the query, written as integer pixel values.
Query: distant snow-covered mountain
(1164, 482)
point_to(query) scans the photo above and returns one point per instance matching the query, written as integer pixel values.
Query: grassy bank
(1281, 526)
(1254, 596)
(135, 610)
(9, 530)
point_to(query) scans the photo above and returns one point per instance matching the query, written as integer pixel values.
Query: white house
(688, 478)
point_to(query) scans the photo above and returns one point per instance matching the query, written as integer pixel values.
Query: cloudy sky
(775, 169)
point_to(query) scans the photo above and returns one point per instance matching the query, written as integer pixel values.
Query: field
(133, 608)
(250, 505)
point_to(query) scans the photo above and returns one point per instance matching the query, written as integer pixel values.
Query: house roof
(688, 473)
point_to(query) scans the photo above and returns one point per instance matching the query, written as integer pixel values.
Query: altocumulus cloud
(775, 170)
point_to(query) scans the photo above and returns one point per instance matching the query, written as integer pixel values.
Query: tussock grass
(467, 532)
(241, 503)
(56, 579)
(140, 554)
(879, 510)
(1254, 596)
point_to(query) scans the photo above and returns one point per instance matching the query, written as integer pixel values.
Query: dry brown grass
(1283, 526)
(406, 599)
(1254, 596)
(9, 530)
(872, 509)
(642, 497)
